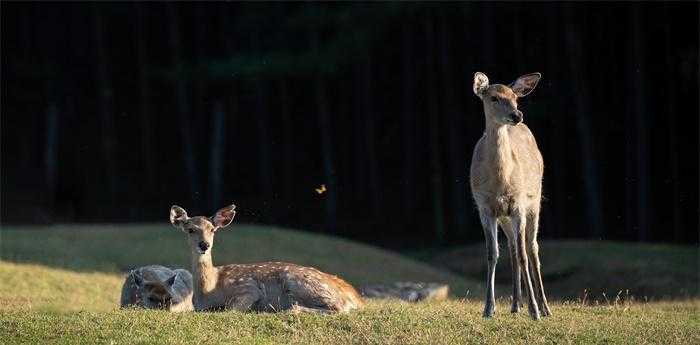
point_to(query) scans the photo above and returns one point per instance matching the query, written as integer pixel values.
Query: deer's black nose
(203, 245)
(516, 117)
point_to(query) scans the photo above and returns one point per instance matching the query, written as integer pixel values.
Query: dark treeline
(113, 112)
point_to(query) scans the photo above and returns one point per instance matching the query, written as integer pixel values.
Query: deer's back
(280, 285)
(182, 291)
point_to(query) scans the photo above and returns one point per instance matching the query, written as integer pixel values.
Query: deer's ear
(224, 216)
(178, 215)
(525, 84)
(171, 280)
(481, 82)
(136, 276)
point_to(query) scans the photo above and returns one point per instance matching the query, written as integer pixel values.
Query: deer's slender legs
(534, 256)
(515, 268)
(519, 223)
(491, 233)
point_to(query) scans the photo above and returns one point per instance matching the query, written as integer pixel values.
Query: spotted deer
(266, 286)
(506, 182)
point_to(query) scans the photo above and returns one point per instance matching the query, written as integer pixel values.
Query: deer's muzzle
(516, 117)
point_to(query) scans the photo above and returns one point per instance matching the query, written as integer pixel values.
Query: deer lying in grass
(506, 182)
(267, 286)
(158, 287)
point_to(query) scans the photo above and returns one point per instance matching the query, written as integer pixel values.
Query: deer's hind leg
(533, 249)
(515, 268)
(519, 221)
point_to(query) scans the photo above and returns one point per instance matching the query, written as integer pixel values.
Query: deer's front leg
(491, 233)
(518, 221)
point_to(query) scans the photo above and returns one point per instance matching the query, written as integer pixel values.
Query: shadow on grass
(598, 270)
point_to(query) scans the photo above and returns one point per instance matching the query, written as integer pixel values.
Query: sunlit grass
(456, 321)
(62, 285)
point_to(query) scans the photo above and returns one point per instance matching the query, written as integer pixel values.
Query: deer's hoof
(488, 313)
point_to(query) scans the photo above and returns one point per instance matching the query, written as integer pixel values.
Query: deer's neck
(204, 272)
(500, 152)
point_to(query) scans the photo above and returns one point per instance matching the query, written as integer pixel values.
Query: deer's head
(200, 230)
(151, 291)
(158, 294)
(501, 101)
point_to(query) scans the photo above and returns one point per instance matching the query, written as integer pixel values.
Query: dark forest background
(114, 112)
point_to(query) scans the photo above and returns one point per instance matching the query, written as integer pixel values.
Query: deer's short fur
(267, 286)
(158, 287)
(506, 182)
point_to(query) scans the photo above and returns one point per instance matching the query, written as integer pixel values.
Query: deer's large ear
(481, 82)
(171, 280)
(525, 84)
(224, 216)
(178, 215)
(136, 276)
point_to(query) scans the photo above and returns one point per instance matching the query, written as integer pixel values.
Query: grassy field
(62, 286)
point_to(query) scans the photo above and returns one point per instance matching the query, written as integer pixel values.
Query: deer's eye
(190, 230)
(494, 99)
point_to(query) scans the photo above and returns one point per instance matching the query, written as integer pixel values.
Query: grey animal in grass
(158, 287)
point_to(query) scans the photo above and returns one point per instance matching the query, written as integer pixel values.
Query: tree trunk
(226, 32)
(370, 136)
(582, 96)
(640, 123)
(457, 183)
(288, 145)
(50, 156)
(325, 129)
(216, 155)
(435, 160)
(147, 154)
(106, 102)
(200, 108)
(264, 144)
(360, 188)
(555, 218)
(183, 106)
(672, 130)
(408, 123)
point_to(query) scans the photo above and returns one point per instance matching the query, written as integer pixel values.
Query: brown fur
(267, 286)
(506, 182)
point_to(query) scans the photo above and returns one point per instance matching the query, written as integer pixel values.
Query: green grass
(61, 285)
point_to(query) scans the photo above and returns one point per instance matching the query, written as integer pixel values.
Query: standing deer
(267, 286)
(506, 182)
